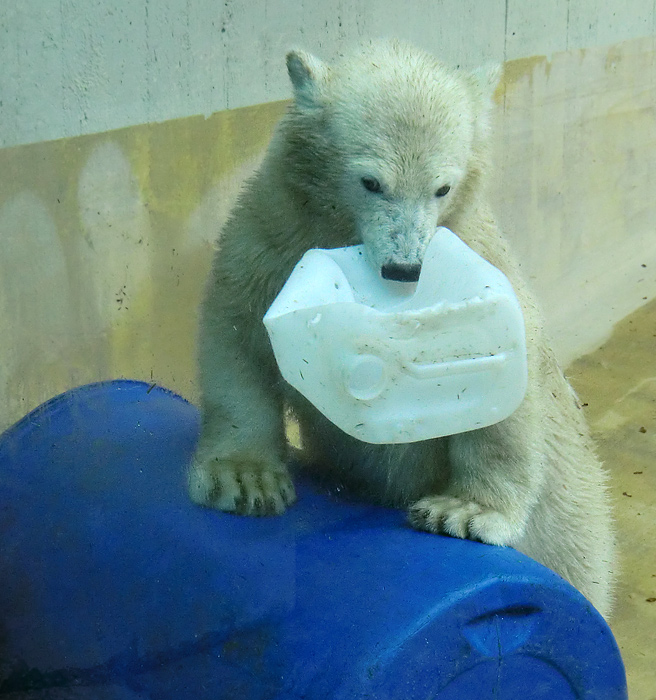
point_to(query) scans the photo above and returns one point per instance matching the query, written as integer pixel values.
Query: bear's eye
(443, 191)
(371, 184)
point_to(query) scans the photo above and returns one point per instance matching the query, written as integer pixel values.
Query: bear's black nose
(401, 272)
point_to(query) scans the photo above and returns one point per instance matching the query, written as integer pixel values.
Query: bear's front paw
(241, 486)
(450, 515)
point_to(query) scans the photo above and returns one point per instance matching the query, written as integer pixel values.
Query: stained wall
(112, 187)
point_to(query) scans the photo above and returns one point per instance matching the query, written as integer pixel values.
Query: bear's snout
(401, 272)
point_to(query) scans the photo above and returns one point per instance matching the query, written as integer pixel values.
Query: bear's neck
(296, 181)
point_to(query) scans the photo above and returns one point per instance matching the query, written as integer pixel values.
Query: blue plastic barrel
(113, 585)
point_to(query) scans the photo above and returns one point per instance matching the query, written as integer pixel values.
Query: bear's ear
(487, 79)
(484, 81)
(308, 75)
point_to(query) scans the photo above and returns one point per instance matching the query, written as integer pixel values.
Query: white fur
(392, 113)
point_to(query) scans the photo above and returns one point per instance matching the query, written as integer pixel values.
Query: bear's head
(388, 143)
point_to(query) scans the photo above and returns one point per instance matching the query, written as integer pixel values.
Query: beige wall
(577, 159)
(105, 240)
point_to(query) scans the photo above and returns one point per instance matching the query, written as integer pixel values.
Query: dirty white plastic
(392, 362)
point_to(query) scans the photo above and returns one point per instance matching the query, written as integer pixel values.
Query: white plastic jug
(392, 362)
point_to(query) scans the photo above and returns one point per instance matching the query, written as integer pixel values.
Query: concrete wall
(77, 67)
(105, 238)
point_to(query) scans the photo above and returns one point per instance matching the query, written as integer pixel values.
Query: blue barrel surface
(113, 585)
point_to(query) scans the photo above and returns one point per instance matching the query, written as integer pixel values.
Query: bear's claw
(241, 488)
(450, 515)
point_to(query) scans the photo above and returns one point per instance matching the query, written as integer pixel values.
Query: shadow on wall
(106, 240)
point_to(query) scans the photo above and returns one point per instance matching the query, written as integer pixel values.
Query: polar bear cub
(381, 148)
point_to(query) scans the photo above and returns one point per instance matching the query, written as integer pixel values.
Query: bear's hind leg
(571, 527)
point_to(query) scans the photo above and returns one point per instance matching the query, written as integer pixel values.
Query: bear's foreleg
(495, 478)
(239, 465)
